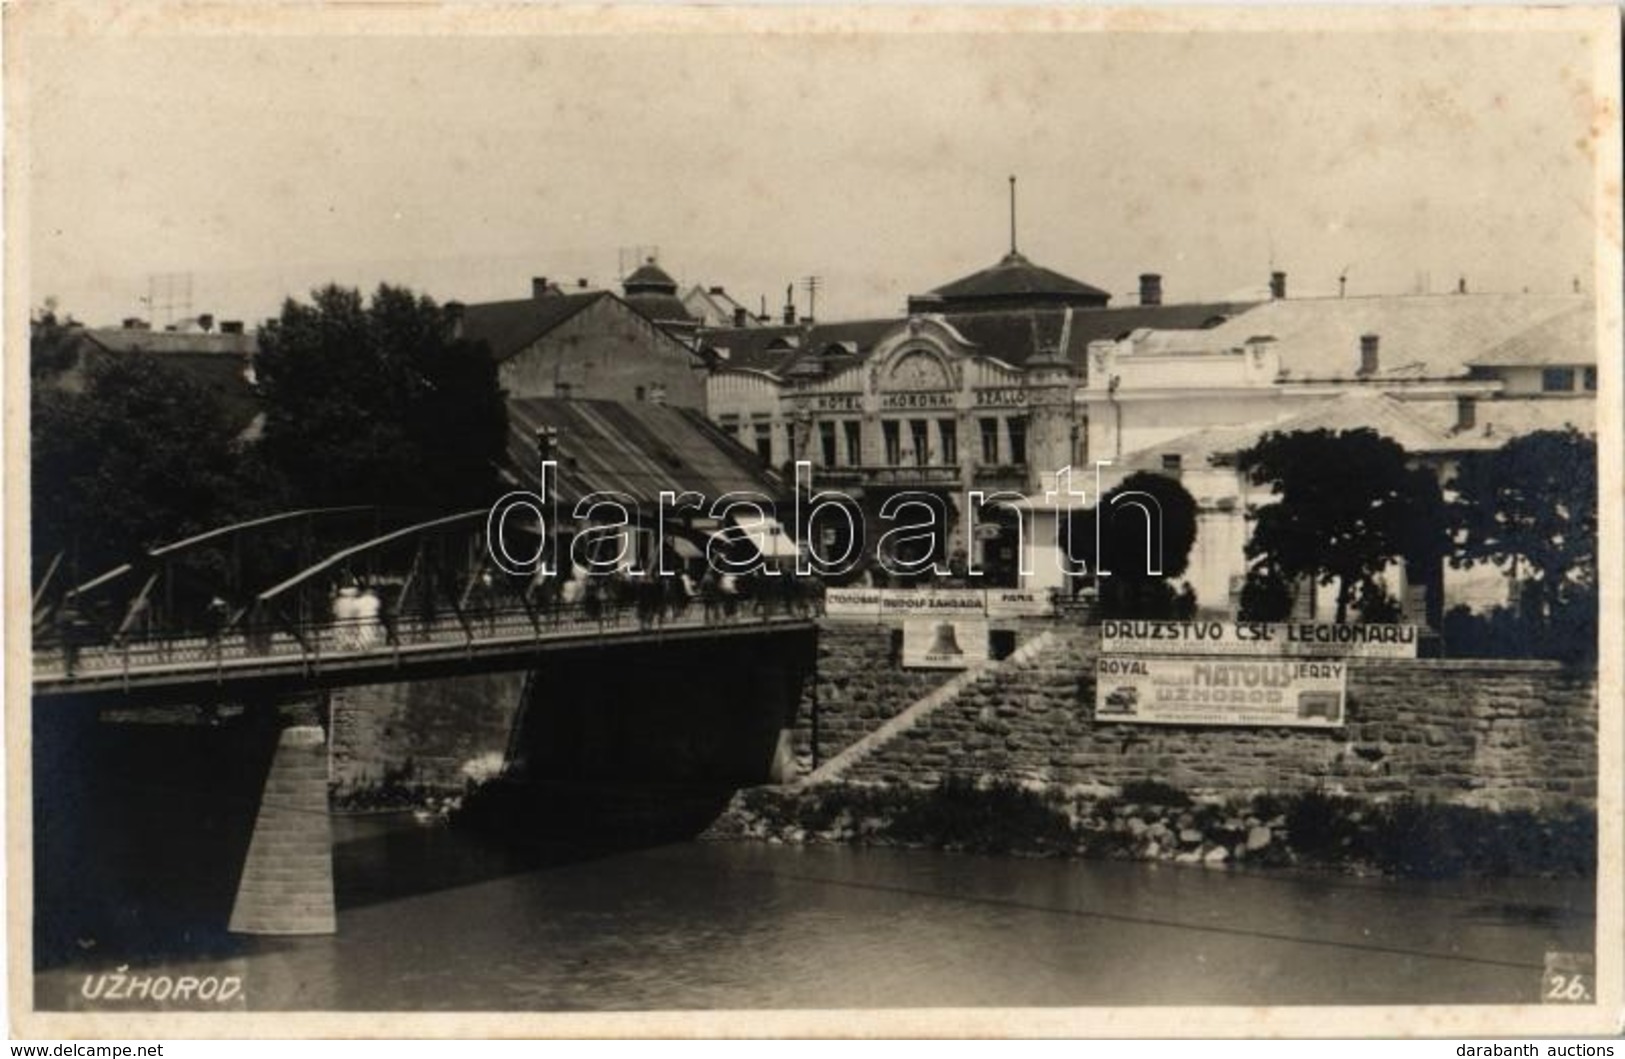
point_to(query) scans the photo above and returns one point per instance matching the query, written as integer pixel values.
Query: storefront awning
(767, 535)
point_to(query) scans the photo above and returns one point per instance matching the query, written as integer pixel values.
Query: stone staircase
(1030, 655)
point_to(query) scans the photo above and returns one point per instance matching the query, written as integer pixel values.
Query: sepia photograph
(812, 521)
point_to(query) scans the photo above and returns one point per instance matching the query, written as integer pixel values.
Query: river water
(435, 920)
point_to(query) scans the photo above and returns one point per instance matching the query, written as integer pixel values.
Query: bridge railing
(312, 643)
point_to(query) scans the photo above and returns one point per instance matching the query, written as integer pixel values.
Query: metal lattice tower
(167, 294)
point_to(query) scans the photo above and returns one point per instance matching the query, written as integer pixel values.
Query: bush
(1323, 827)
(1431, 841)
(999, 818)
(1154, 792)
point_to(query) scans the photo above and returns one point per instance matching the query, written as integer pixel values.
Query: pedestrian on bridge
(69, 630)
(344, 618)
(215, 618)
(367, 625)
(711, 595)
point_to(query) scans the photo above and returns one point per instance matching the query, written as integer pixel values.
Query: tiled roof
(134, 340)
(1011, 336)
(508, 327)
(1350, 411)
(1496, 421)
(635, 448)
(661, 308)
(1015, 275)
(1570, 337)
(761, 348)
(1433, 335)
(723, 304)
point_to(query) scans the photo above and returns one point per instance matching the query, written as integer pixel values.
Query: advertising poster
(944, 643)
(852, 604)
(1248, 691)
(968, 602)
(1018, 603)
(1300, 639)
(876, 604)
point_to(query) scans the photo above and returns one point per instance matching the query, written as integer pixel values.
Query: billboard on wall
(895, 604)
(1301, 693)
(1018, 603)
(1291, 639)
(944, 643)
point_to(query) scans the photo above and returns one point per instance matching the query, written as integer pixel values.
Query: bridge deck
(348, 652)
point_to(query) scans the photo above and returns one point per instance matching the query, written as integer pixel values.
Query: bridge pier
(286, 887)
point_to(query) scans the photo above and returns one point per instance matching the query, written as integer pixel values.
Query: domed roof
(667, 309)
(653, 293)
(1013, 282)
(649, 278)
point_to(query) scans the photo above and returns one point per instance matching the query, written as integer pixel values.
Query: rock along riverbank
(1156, 822)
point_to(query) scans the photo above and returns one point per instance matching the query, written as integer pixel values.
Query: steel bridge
(313, 599)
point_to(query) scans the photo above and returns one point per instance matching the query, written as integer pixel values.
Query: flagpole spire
(1012, 215)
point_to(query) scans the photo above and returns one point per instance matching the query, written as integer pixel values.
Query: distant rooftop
(638, 449)
(1014, 282)
(1431, 336)
(1013, 336)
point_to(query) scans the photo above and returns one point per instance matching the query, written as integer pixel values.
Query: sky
(261, 166)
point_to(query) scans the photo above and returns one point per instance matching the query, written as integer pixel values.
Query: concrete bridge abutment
(286, 885)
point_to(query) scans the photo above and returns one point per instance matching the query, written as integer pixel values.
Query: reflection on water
(432, 919)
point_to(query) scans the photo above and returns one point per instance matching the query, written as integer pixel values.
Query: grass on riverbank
(1158, 822)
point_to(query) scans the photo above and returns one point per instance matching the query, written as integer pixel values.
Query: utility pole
(1012, 216)
(812, 283)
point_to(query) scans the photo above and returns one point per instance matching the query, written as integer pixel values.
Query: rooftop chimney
(1368, 354)
(581, 282)
(135, 323)
(231, 327)
(716, 290)
(454, 316)
(790, 304)
(1278, 285)
(206, 322)
(1150, 288)
(538, 286)
(1461, 285)
(1466, 413)
(741, 316)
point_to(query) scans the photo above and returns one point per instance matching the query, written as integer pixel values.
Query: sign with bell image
(944, 643)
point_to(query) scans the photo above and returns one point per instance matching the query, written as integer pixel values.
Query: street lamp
(547, 442)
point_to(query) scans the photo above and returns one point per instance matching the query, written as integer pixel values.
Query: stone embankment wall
(860, 685)
(1502, 734)
(422, 732)
(1499, 734)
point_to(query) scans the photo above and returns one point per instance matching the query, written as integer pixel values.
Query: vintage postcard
(532, 520)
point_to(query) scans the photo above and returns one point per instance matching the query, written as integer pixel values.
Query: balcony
(1001, 475)
(888, 475)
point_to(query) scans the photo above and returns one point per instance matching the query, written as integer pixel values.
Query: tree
(1349, 505)
(1131, 589)
(379, 403)
(1530, 508)
(54, 343)
(143, 455)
